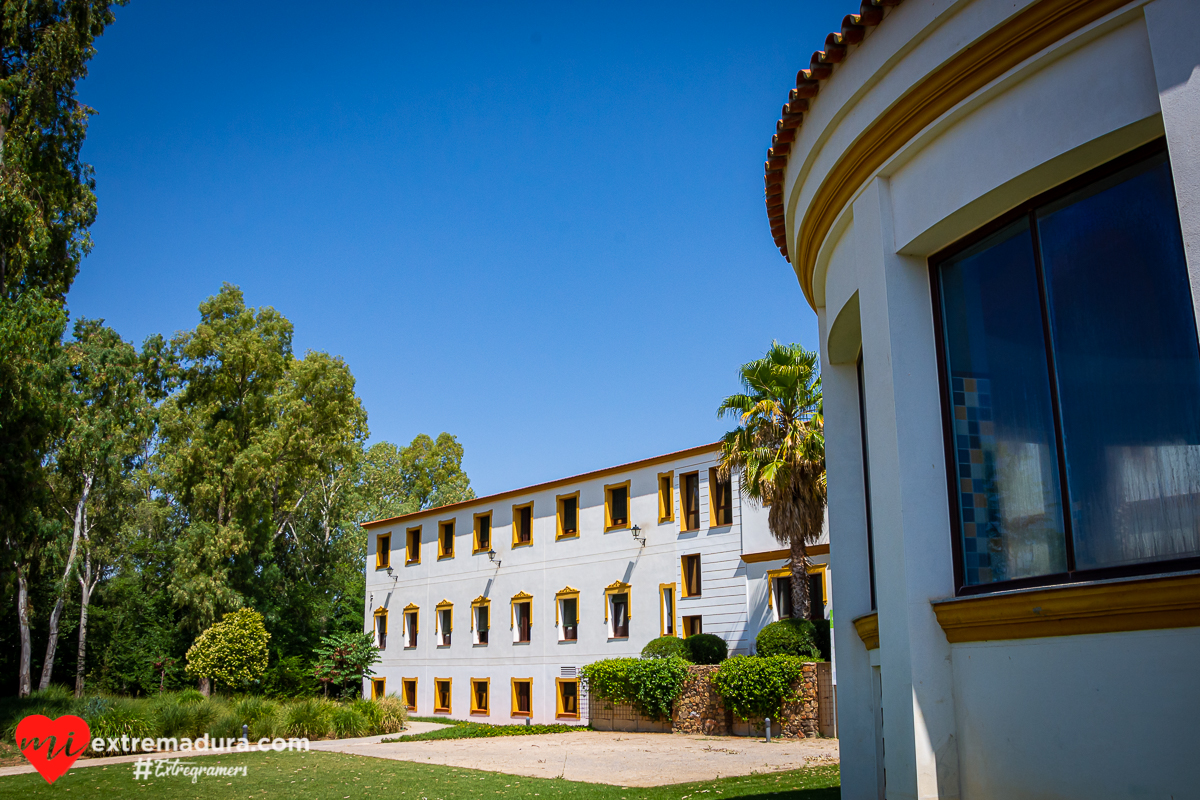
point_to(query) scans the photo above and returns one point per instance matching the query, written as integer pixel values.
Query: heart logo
(52, 745)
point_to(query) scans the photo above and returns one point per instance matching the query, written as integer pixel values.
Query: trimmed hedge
(787, 637)
(706, 648)
(757, 687)
(664, 647)
(650, 684)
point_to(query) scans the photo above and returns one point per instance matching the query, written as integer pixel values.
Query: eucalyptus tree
(778, 450)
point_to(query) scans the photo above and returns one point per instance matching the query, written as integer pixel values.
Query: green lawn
(334, 776)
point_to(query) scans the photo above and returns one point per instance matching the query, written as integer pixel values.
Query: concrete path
(328, 745)
(619, 759)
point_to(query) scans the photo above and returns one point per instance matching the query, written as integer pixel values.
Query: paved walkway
(619, 759)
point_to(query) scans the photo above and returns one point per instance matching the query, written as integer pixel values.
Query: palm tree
(779, 450)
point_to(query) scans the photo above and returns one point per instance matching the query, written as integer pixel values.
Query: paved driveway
(620, 759)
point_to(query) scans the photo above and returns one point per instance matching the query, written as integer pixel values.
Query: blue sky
(538, 227)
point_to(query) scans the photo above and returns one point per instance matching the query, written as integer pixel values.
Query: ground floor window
(381, 628)
(480, 694)
(378, 688)
(666, 609)
(692, 626)
(410, 693)
(441, 695)
(522, 697)
(567, 703)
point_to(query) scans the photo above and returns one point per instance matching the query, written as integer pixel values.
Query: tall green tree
(106, 422)
(427, 473)
(778, 450)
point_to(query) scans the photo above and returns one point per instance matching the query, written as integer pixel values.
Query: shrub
(190, 697)
(393, 714)
(706, 648)
(664, 647)
(348, 723)
(343, 660)
(269, 726)
(788, 637)
(114, 717)
(757, 687)
(233, 651)
(307, 718)
(650, 684)
(172, 719)
(290, 677)
(227, 725)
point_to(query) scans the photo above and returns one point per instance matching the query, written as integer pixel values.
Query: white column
(910, 510)
(848, 558)
(1172, 26)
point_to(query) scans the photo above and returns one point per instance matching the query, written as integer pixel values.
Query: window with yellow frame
(383, 551)
(481, 694)
(442, 695)
(720, 499)
(566, 614)
(779, 594)
(409, 687)
(666, 610)
(482, 532)
(446, 538)
(616, 506)
(566, 698)
(689, 567)
(381, 622)
(666, 496)
(443, 623)
(412, 550)
(568, 516)
(481, 620)
(522, 524)
(522, 697)
(378, 688)
(410, 625)
(618, 599)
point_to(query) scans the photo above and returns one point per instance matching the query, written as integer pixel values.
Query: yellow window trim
(666, 505)
(558, 703)
(445, 605)
(519, 597)
(404, 691)
(566, 593)
(514, 682)
(683, 576)
(441, 523)
(481, 602)
(683, 511)
(378, 688)
(558, 503)
(618, 587)
(685, 633)
(383, 551)
(475, 548)
(407, 550)
(380, 612)
(449, 693)
(515, 510)
(411, 608)
(714, 476)
(662, 611)
(786, 572)
(475, 709)
(772, 576)
(608, 523)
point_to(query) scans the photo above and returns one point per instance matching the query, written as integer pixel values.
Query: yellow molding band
(774, 555)
(1140, 604)
(868, 630)
(1023, 36)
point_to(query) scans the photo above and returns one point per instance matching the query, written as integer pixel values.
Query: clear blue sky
(538, 227)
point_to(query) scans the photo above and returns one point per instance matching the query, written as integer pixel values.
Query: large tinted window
(1070, 334)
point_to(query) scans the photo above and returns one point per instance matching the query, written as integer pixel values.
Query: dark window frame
(1028, 210)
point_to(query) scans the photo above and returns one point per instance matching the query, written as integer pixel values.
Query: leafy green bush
(308, 718)
(233, 651)
(348, 723)
(757, 687)
(788, 637)
(664, 647)
(650, 684)
(706, 648)
(190, 697)
(290, 677)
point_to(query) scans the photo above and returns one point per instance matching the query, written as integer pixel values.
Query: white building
(993, 206)
(486, 609)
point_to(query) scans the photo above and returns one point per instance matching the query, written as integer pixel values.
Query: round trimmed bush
(706, 648)
(788, 637)
(665, 647)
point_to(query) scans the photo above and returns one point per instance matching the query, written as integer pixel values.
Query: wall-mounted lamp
(637, 534)
(389, 571)
(492, 557)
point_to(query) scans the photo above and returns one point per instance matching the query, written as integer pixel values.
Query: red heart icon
(52, 745)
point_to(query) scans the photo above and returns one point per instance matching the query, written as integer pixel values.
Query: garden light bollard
(768, 730)
(527, 722)
(245, 732)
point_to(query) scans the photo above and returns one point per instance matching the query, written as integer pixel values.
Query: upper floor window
(568, 515)
(568, 614)
(381, 628)
(413, 549)
(409, 633)
(689, 497)
(720, 498)
(383, 551)
(618, 610)
(481, 619)
(1071, 376)
(666, 496)
(691, 575)
(522, 524)
(483, 532)
(444, 622)
(446, 539)
(616, 506)
(666, 609)
(522, 617)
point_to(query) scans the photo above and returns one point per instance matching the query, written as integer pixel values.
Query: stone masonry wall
(699, 709)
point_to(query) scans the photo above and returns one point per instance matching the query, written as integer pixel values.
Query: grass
(335, 776)
(466, 729)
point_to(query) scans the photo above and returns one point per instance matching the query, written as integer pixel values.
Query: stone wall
(699, 709)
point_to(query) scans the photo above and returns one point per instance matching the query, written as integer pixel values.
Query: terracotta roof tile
(808, 83)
